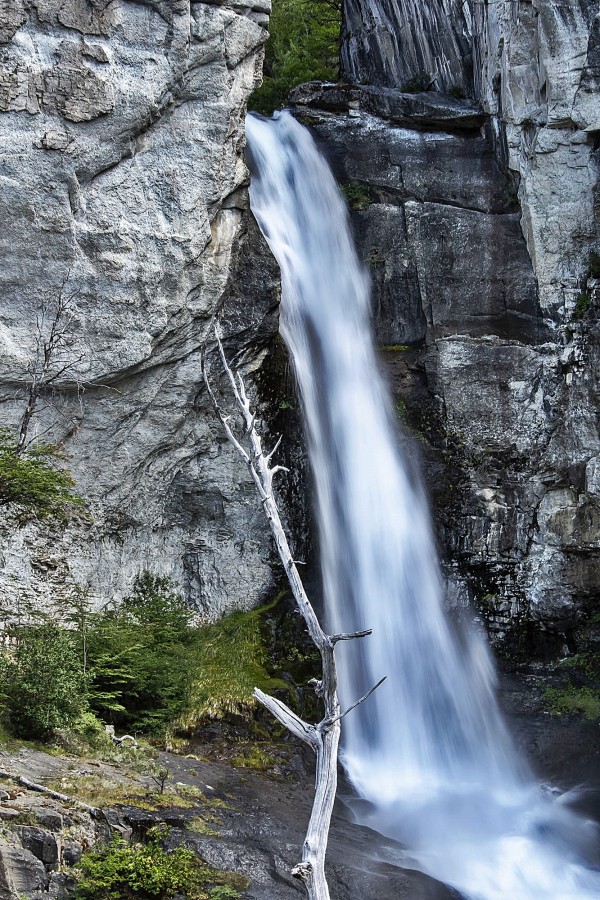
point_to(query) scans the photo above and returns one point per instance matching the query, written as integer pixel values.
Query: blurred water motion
(429, 749)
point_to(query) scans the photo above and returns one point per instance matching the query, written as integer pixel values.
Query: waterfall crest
(429, 750)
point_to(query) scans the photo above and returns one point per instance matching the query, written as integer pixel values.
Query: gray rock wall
(537, 75)
(479, 245)
(122, 178)
(391, 42)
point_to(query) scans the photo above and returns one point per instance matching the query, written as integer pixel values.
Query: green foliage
(42, 682)
(417, 83)
(253, 756)
(303, 46)
(92, 730)
(394, 348)
(588, 664)
(230, 660)
(34, 481)
(583, 700)
(582, 305)
(457, 92)
(400, 408)
(146, 667)
(141, 656)
(145, 871)
(357, 195)
(376, 260)
(594, 261)
(203, 825)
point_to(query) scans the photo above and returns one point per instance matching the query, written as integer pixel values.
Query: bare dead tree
(323, 737)
(54, 354)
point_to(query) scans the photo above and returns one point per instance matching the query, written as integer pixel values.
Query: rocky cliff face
(392, 42)
(480, 235)
(123, 186)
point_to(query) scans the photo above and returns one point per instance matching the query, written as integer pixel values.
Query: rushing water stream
(429, 749)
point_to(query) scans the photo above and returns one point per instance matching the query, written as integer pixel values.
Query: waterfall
(429, 750)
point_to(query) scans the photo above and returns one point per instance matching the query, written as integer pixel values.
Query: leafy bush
(583, 700)
(118, 872)
(140, 657)
(230, 660)
(417, 83)
(357, 195)
(34, 481)
(594, 269)
(582, 305)
(92, 731)
(303, 46)
(145, 666)
(457, 92)
(41, 681)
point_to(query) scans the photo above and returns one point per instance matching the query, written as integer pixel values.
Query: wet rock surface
(563, 750)
(253, 822)
(426, 109)
(242, 821)
(480, 244)
(391, 42)
(498, 394)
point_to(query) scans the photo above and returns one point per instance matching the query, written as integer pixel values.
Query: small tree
(139, 656)
(55, 353)
(29, 474)
(41, 681)
(33, 480)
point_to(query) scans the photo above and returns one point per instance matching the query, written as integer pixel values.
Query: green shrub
(376, 260)
(145, 871)
(357, 195)
(253, 756)
(594, 270)
(140, 657)
(92, 731)
(34, 481)
(417, 83)
(42, 682)
(583, 700)
(457, 92)
(230, 660)
(582, 305)
(303, 46)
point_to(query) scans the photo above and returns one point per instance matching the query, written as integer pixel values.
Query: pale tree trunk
(324, 736)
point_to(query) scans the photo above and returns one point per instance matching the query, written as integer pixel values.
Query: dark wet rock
(41, 843)
(261, 829)
(49, 818)
(72, 853)
(401, 164)
(563, 750)
(111, 824)
(478, 244)
(61, 886)
(21, 873)
(389, 42)
(428, 109)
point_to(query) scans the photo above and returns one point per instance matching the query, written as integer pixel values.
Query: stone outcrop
(123, 185)
(479, 221)
(252, 825)
(398, 42)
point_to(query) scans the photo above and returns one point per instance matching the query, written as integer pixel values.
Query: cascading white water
(429, 749)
